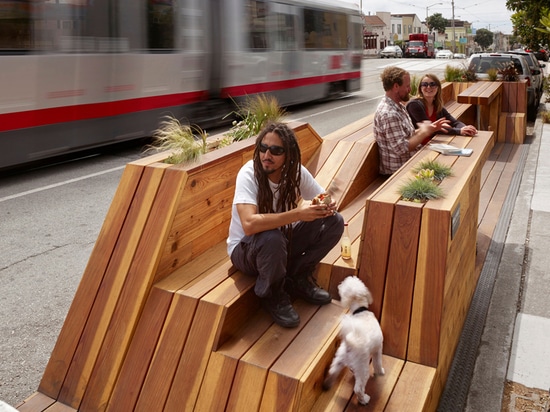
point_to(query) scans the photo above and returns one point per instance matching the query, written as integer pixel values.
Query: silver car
(391, 51)
(536, 69)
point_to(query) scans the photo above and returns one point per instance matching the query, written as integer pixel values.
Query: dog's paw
(380, 372)
(363, 399)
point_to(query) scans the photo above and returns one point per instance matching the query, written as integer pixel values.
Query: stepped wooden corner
(501, 107)
(162, 320)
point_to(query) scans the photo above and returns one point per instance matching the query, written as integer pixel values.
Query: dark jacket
(417, 112)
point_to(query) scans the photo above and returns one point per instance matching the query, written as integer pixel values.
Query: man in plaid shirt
(393, 129)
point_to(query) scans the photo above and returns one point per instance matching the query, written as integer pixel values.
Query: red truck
(420, 45)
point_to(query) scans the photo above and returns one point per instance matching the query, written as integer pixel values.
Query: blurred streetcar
(79, 74)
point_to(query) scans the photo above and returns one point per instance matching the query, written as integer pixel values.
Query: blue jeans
(271, 257)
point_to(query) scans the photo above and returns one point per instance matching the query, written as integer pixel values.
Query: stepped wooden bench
(159, 293)
(464, 112)
(161, 319)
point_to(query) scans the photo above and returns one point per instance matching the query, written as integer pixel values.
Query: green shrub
(415, 82)
(469, 74)
(420, 190)
(546, 87)
(187, 142)
(440, 170)
(492, 73)
(508, 72)
(253, 115)
(453, 74)
(460, 74)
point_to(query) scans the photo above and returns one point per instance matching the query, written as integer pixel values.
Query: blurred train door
(285, 62)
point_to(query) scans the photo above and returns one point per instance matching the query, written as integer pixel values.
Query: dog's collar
(359, 310)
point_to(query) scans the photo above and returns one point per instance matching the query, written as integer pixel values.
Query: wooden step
(295, 380)
(253, 368)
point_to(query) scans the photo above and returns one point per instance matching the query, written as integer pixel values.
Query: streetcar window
(80, 26)
(284, 36)
(357, 36)
(257, 13)
(325, 29)
(160, 24)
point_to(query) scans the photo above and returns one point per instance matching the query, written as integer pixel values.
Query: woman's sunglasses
(426, 84)
(274, 150)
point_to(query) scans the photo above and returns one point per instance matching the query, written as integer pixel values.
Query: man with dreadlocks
(275, 237)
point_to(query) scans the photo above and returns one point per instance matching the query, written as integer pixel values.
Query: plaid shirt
(392, 129)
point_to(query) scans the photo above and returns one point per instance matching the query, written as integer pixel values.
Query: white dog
(361, 338)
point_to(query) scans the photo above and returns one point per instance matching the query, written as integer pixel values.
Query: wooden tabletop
(483, 93)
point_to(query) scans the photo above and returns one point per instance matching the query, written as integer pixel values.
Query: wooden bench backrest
(203, 211)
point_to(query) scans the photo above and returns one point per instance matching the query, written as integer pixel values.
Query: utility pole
(453, 27)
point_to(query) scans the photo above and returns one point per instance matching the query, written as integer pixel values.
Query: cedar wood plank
(144, 344)
(398, 292)
(287, 380)
(412, 389)
(174, 335)
(141, 351)
(222, 366)
(36, 402)
(134, 292)
(211, 311)
(75, 322)
(252, 370)
(85, 355)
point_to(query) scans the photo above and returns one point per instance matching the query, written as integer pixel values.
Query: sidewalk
(512, 368)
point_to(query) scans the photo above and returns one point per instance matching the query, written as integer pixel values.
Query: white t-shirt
(246, 192)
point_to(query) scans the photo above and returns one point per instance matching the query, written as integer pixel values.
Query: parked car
(391, 51)
(482, 62)
(541, 54)
(536, 69)
(444, 54)
(459, 56)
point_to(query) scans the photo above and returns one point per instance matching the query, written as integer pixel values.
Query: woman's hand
(468, 131)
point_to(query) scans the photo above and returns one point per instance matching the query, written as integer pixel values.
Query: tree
(484, 38)
(437, 22)
(526, 20)
(545, 21)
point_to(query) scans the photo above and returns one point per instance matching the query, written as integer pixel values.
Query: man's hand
(309, 212)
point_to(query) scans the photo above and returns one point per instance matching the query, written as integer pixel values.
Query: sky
(483, 14)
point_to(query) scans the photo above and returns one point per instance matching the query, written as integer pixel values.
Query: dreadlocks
(289, 186)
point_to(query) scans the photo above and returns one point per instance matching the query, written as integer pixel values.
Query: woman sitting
(428, 106)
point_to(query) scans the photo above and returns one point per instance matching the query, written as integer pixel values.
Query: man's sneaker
(279, 307)
(305, 287)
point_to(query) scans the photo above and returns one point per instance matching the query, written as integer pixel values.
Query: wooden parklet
(161, 319)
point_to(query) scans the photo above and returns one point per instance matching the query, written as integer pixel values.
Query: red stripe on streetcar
(247, 89)
(53, 115)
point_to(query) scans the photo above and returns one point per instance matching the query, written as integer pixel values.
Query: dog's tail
(351, 333)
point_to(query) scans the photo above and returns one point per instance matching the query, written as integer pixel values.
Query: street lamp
(427, 7)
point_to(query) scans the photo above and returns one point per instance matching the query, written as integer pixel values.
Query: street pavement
(512, 367)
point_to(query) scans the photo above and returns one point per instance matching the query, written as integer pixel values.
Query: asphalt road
(51, 217)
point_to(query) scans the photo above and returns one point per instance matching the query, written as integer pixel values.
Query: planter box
(419, 259)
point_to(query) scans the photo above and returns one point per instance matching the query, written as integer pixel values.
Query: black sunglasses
(426, 84)
(274, 150)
